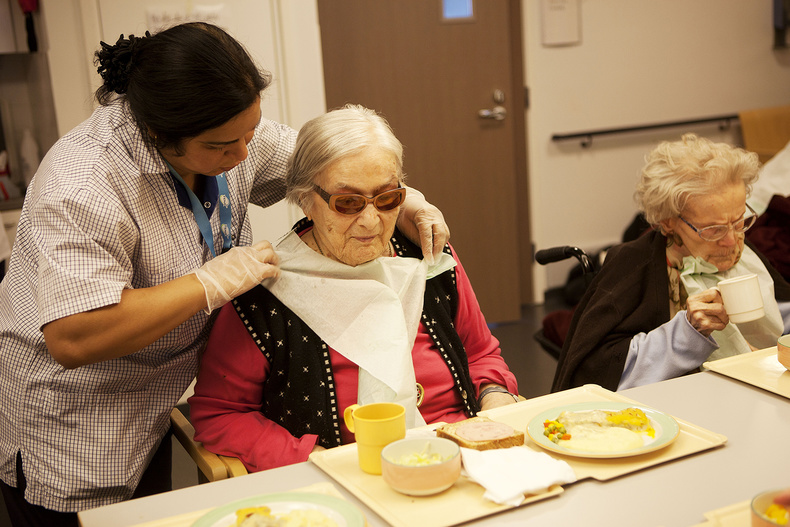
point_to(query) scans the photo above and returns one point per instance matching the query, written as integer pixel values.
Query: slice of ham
(483, 431)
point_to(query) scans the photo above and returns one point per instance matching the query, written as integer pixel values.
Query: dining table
(752, 455)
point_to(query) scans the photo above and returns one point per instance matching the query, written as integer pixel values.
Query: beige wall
(638, 62)
(282, 36)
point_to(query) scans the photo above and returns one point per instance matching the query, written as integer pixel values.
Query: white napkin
(698, 275)
(369, 313)
(508, 474)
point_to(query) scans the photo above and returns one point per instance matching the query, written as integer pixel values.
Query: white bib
(369, 314)
(698, 275)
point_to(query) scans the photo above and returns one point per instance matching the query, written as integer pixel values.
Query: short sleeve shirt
(102, 215)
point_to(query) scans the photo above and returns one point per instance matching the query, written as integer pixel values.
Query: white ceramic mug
(742, 298)
(783, 350)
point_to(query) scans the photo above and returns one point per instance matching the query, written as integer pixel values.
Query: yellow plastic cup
(375, 426)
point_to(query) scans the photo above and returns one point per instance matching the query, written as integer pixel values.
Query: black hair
(181, 81)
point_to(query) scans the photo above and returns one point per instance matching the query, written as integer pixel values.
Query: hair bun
(116, 61)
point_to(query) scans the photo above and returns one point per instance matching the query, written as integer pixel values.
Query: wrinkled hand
(495, 400)
(236, 271)
(705, 312)
(423, 224)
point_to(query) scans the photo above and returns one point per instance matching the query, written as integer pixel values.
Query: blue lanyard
(223, 204)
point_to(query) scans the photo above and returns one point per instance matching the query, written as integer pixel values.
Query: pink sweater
(226, 407)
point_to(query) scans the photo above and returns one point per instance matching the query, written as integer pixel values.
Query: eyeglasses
(356, 203)
(717, 232)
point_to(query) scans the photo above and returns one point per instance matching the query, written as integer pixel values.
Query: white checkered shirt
(102, 215)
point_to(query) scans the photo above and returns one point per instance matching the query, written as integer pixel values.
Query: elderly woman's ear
(306, 204)
(668, 230)
(666, 227)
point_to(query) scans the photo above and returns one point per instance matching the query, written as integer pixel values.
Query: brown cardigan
(628, 296)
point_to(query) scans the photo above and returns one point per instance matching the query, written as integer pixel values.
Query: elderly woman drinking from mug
(653, 312)
(356, 316)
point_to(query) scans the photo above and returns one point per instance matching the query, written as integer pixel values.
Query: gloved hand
(423, 224)
(236, 271)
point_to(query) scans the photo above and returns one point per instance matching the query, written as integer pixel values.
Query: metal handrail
(587, 137)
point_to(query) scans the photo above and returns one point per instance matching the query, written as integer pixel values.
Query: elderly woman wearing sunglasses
(356, 316)
(652, 312)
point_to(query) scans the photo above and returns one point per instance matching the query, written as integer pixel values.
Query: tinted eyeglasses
(717, 232)
(356, 203)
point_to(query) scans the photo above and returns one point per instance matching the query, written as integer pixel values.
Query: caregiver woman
(133, 231)
(652, 313)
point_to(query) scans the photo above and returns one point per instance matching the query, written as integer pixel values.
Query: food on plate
(630, 418)
(555, 431)
(418, 459)
(481, 433)
(778, 514)
(263, 517)
(600, 430)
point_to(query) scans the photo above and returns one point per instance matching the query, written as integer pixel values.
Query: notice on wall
(560, 22)
(158, 17)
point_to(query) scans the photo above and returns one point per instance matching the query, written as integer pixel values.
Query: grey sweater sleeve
(670, 350)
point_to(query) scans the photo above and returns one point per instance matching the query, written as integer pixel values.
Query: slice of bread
(481, 433)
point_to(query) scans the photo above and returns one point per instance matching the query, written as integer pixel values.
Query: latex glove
(235, 272)
(423, 224)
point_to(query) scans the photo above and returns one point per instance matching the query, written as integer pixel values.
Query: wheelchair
(554, 327)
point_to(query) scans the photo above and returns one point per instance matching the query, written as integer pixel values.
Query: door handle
(497, 113)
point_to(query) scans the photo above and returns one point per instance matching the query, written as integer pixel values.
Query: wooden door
(430, 77)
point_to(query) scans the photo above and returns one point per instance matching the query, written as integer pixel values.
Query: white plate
(667, 429)
(342, 512)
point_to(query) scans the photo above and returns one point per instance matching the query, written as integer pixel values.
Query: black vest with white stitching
(300, 391)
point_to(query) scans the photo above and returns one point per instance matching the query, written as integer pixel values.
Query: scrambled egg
(633, 419)
(778, 514)
(263, 517)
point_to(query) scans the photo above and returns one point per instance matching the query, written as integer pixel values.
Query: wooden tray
(736, 515)
(460, 503)
(692, 439)
(464, 500)
(760, 368)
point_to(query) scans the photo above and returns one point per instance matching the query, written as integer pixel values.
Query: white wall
(72, 33)
(638, 62)
(281, 35)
